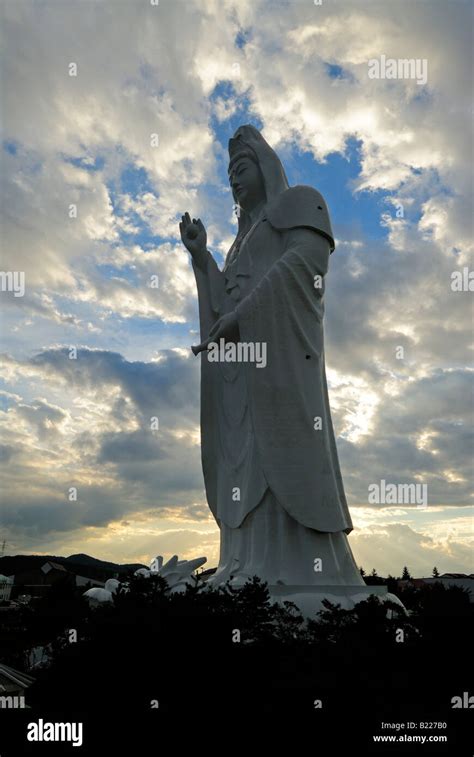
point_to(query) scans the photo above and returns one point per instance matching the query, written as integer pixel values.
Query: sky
(115, 120)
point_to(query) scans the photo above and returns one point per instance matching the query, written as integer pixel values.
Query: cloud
(104, 441)
(389, 548)
(138, 137)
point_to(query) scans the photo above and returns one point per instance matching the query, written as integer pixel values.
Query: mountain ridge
(79, 563)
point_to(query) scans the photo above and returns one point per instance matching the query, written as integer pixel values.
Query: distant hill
(81, 559)
(80, 564)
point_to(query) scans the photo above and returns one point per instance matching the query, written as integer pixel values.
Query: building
(37, 581)
(6, 584)
(461, 580)
(454, 579)
(13, 685)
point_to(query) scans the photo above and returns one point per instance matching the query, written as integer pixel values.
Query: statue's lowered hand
(226, 328)
(194, 238)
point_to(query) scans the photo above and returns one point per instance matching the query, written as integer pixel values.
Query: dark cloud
(167, 388)
(92, 421)
(142, 469)
(436, 407)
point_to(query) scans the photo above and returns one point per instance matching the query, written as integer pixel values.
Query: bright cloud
(97, 169)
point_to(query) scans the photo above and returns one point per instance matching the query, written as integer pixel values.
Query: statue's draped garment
(270, 466)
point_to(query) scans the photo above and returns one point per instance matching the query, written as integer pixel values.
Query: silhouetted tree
(391, 584)
(435, 572)
(406, 574)
(150, 644)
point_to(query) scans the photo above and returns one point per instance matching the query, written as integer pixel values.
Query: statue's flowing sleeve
(210, 284)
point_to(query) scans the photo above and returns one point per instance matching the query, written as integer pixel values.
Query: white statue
(269, 455)
(178, 575)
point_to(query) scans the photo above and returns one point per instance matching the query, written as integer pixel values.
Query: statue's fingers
(172, 562)
(203, 345)
(188, 217)
(200, 224)
(196, 563)
(196, 349)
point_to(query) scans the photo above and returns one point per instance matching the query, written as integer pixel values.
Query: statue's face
(247, 184)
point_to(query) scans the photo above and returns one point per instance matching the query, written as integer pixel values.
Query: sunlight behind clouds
(391, 157)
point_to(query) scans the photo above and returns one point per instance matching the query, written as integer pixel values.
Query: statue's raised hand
(194, 238)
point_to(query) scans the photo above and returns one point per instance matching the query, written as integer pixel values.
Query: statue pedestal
(309, 599)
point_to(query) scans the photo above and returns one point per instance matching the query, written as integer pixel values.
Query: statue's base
(309, 599)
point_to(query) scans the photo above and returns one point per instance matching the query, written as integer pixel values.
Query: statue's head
(255, 170)
(255, 173)
(245, 176)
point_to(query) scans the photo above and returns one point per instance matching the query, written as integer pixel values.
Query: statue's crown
(239, 149)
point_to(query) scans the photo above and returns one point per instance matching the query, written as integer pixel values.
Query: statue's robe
(269, 456)
(272, 475)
